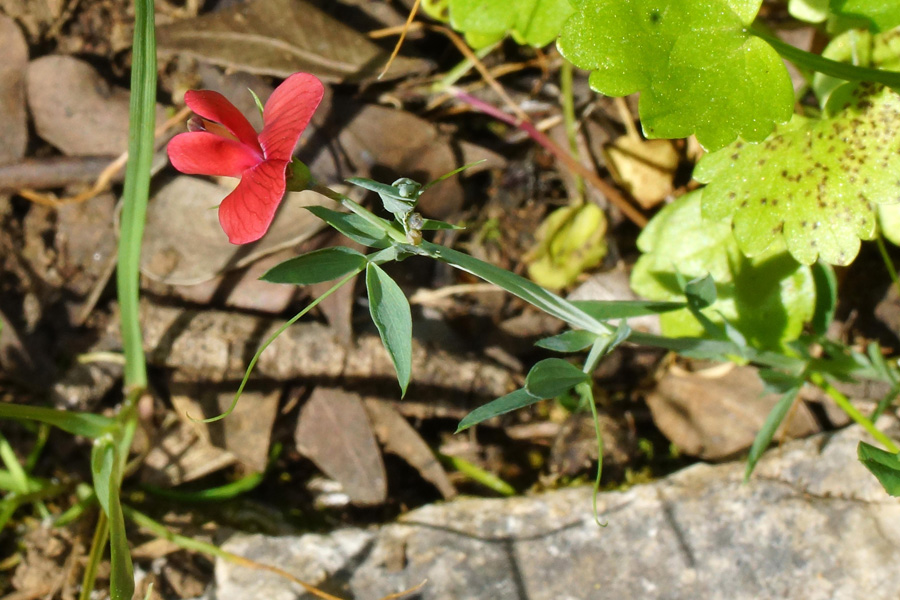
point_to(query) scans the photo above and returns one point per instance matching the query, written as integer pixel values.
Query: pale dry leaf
(334, 432)
(279, 38)
(398, 437)
(76, 110)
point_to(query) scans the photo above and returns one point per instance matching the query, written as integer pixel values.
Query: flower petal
(216, 107)
(204, 153)
(287, 113)
(246, 213)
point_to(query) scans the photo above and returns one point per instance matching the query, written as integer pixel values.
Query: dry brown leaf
(13, 117)
(398, 437)
(334, 432)
(279, 38)
(716, 417)
(76, 110)
(645, 168)
(184, 243)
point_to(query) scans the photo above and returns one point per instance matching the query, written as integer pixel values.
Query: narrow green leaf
(826, 296)
(568, 341)
(432, 225)
(518, 286)
(353, 226)
(552, 377)
(508, 403)
(76, 423)
(883, 465)
(107, 479)
(767, 432)
(391, 315)
(326, 264)
(625, 309)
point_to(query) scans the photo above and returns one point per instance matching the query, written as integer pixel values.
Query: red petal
(216, 107)
(204, 153)
(287, 113)
(246, 213)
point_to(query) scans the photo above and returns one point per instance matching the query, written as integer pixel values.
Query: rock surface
(811, 524)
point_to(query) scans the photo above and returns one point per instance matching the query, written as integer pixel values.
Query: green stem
(586, 394)
(142, 121)
(845, 405)
(888, 263)
(359, 210)
(272, 338)
(477, 474)
(833, 68)
(98, 545)
(568, 106)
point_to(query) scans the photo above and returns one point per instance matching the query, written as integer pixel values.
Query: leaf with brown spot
(820, 181)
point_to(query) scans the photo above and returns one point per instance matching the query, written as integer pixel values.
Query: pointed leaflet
(508, 403)
(883, 465)
(813, 183)
(552, 377)
(391, 315)
(326, 264)
(696, 65)
(106, 471)
(353, 226)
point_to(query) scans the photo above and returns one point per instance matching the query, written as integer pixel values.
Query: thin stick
(573, 165)
(409, 19)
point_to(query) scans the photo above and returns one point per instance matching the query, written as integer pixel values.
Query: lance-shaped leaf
(883, 465)
(814, 183)
(391, 315)
(317, 266)
(552, 377)
(697, 67)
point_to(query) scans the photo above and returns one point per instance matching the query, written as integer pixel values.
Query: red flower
(232, 148)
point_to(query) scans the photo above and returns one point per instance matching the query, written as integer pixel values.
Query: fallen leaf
(13, 117)
(334, 432)
(645, 168)
(398, 437)
(184, 243)
(279, 38)
(76, 110)
(245, 433)
(353, 140)
(714, 416)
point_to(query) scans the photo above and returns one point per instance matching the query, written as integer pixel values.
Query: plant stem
(888, 263)
(832, 68)
(845, 405)
(98, 545)
(568, 106)
(479, 475)
(361, 211)
(142, 122)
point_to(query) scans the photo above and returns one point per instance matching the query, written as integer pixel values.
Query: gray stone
(812, 523)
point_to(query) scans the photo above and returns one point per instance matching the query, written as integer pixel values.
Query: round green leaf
(767, 298)
(694, 62)
(317, 266)
(813, 183)
(532, 22)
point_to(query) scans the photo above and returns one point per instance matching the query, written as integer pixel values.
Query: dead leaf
(181, 455)
(184, 243)
(645, 168)
(716, 417)
(76, 110)
(398, 437)
(353, 140)
(86, 241)
(279, 38)
(334, 432)
(13, 117)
